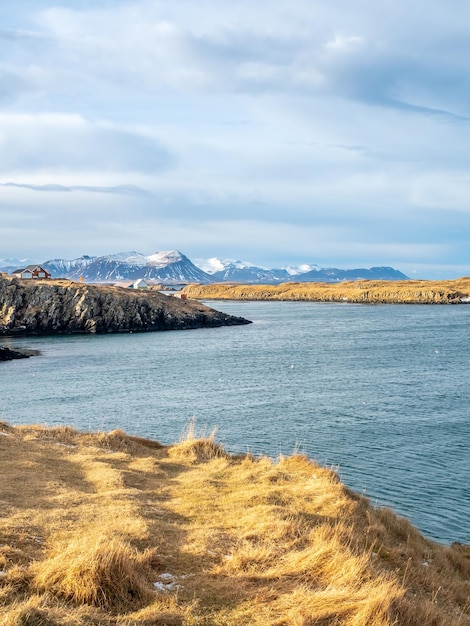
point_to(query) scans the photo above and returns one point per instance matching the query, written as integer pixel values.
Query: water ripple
(358, 388)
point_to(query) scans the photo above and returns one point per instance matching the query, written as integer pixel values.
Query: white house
(140, 284)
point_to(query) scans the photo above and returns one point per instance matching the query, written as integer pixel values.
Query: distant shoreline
(356, 292)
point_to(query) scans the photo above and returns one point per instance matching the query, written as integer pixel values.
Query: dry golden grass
(97, 570)
(108, 529)
(361, 291)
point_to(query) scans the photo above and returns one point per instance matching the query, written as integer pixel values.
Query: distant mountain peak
(233, 270)
(172, 266)
(14, 261)
(214, 264)
(133, 258)
(294, 270)
(63, 268)
(162, 267)
(165, 257)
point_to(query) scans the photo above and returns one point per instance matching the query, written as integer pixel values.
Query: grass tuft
(197, 448)
(99, 571)
(197, 451)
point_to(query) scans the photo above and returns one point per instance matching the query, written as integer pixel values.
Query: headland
(48, 307)
(358, 292)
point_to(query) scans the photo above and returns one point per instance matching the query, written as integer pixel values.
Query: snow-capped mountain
(250, 274)
(62, 268)
(213, 265)
(299, 269)
(334, 275)
(164, 267)
(163, 259)
(174, 267)
(10, 265)
(132, 258)
(232, 270)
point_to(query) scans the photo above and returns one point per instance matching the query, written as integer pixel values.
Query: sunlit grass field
(360, 291)
(111, 529)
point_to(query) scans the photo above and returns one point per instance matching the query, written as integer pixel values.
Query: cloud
(69, 142)
(22, 36)
(318, 51)
(345, 44)
(126, 190)
(341, 51)
(14, 84)
(448, 190)
(322, 130)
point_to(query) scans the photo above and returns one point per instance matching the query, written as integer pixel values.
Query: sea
(379, 393)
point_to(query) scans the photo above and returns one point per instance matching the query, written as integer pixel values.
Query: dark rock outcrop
(63, 307)
(6, 354)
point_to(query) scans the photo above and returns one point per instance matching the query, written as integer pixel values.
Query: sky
(279, 133)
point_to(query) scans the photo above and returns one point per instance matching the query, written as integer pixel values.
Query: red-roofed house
(32, 271)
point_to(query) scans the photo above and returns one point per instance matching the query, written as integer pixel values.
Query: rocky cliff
(54, 307)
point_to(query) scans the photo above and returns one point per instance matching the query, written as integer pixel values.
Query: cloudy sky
(280, 132)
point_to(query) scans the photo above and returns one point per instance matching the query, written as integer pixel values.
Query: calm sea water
(379, 392)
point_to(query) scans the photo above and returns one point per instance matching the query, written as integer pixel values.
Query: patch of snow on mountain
(164, 258)
(242, 265)
(299, 269)
(213, 265)
(64, 266)
(131, 258)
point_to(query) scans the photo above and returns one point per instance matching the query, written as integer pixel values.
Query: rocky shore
(6, 354)
(63, 307)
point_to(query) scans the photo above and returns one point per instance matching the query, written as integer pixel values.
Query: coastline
(54, 307)
(357, 292)
(109, 528)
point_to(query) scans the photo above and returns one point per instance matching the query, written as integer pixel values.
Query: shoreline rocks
(6, 354)
(52, 307)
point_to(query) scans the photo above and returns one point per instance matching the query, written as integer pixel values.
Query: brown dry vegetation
(108, 529)
(361, 291)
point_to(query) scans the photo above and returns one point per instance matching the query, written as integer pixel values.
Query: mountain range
(174, 267)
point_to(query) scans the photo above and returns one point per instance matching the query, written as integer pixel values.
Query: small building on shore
(32, 272)
(140, 284)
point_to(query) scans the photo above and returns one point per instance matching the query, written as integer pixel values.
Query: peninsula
(111, 529)
(46, 307)
(360, 292)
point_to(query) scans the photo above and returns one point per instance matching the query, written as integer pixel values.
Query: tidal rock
(8, 355)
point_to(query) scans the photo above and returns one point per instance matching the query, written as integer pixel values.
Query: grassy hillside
(363, 291)
(110, 529)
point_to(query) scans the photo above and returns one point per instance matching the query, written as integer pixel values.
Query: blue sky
(275, 132)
